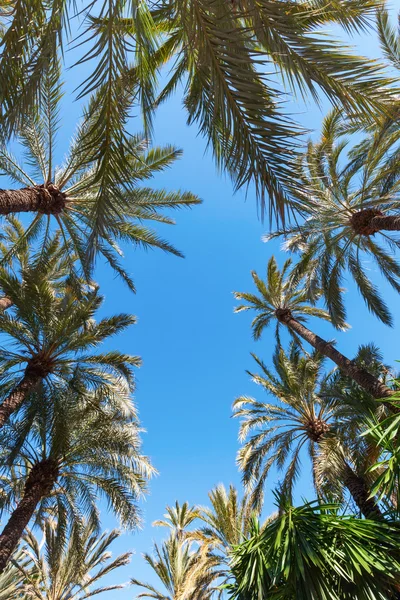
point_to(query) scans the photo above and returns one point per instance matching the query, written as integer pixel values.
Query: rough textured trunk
(39, 484)
(367, 381)
(5, 303)
(371, 220)
(39, 198)
(18, 395)
(359, 491)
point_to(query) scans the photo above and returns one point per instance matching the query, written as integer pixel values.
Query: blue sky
(195, 350)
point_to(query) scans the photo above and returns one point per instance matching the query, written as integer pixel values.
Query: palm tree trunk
(359, 491)
(386, 223)
(39, 484)
(16, 397)
(368, 382)
(38, 198)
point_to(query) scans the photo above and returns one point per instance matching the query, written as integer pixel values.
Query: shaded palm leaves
(86, 219)
(71, 567)
(346, 197)
(312, 552)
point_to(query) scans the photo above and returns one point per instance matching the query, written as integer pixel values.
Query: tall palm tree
(70, 568)
(282, 297)
(312, 551)
(50, 333)
(68, 451)
(301, 419)
(230, 97)
(68, 198)
(185, 572)
(345, 201)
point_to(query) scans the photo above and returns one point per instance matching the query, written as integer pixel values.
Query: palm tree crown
(69, 568)
(68, 198)
(70, 449)
(286, 298)
(344, 203)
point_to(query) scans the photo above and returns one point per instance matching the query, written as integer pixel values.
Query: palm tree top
(281, 295)
(70, 566)
(346, 192)
(71, 198)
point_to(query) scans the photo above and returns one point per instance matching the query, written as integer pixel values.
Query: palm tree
(68, 198)
(283, 298)
(230, 97)
(178, 518)
(345, 201)
(185, 573)
(301, 420)
(312, 551)
(70, 449)
(51, 333)
(69, 568)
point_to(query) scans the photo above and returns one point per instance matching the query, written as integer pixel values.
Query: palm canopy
(226, 53)
(178, 518)
(70, 198)
(306, 418)
(71, 567)
(343, 191)
(279, 294)
(53, 335)
(78, 450)
(312, 552)
(276, 434)
(183, 570)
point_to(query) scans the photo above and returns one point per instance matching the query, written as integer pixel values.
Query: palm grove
(69, 428)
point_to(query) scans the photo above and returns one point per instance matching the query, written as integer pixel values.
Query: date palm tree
(350, 205)
(235, 105)
(68, 199)
(68, 452)
(12, 578)
(50, 333)
(301, 420)
(178, 518)
(70, 568)
(284, 298)
(184, 571)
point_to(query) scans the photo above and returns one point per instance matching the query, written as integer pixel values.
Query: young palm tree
(66, 453)
(178, 518)
(301, 420)
(312, 551)
(70, 568)
(345, 202)
(68, 198)
(282, 298)
(184, 572)
(50, 333)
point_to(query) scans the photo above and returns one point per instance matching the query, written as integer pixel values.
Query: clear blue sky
(194, 349)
